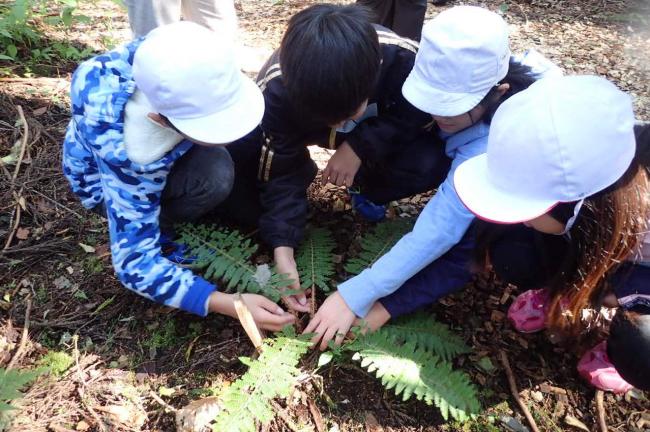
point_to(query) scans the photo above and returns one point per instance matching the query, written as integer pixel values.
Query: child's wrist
(283, 253)
(221, 303)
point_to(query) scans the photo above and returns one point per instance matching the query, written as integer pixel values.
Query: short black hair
(519, 76)
(330, 60)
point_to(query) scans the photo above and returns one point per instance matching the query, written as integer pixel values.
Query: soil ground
(56, 278)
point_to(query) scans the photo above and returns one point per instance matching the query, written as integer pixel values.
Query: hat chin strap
(572, 220)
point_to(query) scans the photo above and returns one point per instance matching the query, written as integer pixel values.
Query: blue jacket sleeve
(440, 226)
(131, 194)
(135, 246)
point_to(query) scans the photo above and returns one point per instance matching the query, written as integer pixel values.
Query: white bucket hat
(190, 76)
(463, 53)
(561, 140)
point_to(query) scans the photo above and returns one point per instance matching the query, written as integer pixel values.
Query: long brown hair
(608, 232)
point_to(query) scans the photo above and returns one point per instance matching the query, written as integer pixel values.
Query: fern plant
(314, 259)
(225, 255)
(427, 334)
(11, 381)
(272, 375)
(377, 243)
(411, 370)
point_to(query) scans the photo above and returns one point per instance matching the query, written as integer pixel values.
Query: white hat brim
(438, 102)
(486, 201)
(229, 124)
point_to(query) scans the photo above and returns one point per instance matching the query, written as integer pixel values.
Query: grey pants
(404, 17)
(200, 180)
(197, 183)
(217, 15)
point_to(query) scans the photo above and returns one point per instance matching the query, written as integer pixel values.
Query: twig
(23, 145)
(14, 228)
(284, 416)
(55, 202)
(23, 339)
(316, 414)
(158, 399)
(600, 410)
(57, 428)
(81, 389)
(515, 391)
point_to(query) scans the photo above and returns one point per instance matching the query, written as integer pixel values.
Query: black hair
(519, 76)
(628, 346)
(330, 60)
(642, 133)
(170, 124)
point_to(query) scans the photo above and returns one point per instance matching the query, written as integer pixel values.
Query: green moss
(57, 362)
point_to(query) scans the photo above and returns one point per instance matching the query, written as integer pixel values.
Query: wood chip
(572, 421)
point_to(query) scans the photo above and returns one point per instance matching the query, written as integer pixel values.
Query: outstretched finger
(293, 303)
(312, 325)
(269, 319)
(325, 175)
(331, 332)
(270, 306)
(340, 336)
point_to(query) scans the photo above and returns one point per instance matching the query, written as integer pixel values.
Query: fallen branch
(16, 220)
(164, 404)
(23, 145)
(600, 411)
(23, 339)
(515, 391)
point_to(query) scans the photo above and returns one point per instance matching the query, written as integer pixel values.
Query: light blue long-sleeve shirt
(442, 223)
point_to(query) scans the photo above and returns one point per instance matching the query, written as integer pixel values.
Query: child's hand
(267, 315)
(333, 320)
(342, 166)
(285, 264)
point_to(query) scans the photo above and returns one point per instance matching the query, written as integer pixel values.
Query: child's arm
(441, 225)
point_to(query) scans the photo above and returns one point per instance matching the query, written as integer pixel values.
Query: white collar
(145, 140)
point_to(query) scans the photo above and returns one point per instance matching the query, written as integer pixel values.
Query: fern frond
(314, 259)
(270, 376)
(11, 381)
(225, 255)
(377, 243)
(427, 334)
(412, 371)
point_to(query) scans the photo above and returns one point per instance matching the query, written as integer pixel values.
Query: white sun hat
(561, 140)
(190, 76)
(463, 53)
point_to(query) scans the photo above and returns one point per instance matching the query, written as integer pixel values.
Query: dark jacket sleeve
(285, 171)
(446, 275)
(374, 139)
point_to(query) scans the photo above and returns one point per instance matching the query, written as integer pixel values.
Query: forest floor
(57, 282)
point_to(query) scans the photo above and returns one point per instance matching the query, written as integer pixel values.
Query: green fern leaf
(377, 243)
(272, 375)
(11, 381)
(410, 371)
(225, 255)
(314, 259)
(427, 334)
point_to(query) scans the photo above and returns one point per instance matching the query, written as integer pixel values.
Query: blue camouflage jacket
(99, 171)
